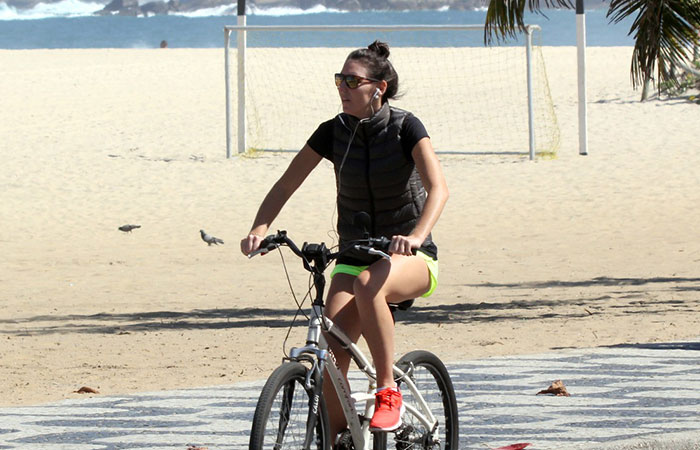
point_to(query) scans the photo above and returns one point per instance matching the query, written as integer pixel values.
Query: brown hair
(376, 58)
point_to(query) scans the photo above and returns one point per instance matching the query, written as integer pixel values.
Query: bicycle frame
(316, 351)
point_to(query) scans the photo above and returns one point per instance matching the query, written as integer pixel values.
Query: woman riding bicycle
(385, 166)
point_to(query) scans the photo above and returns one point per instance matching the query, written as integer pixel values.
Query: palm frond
(665, 32)
(505, 18)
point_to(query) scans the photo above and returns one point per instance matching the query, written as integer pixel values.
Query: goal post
(472, 99)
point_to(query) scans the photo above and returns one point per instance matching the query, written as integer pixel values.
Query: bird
(128, 228)
(210, 239)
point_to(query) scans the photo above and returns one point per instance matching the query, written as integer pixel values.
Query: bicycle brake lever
(262, 251)
(374, 251)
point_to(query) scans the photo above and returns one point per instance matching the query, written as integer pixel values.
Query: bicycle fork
(315, 354)
(316, 383)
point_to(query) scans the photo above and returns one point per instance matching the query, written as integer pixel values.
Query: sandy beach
(576, 251)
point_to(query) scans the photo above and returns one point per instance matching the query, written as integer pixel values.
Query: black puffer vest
(377, 178)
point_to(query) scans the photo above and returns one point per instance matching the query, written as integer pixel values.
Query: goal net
(472, 99)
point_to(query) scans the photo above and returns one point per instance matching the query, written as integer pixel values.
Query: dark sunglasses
(352, 81)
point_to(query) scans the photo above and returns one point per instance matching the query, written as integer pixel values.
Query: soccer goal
(473, 99)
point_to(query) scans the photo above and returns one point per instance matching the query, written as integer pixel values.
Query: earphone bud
(377, 93)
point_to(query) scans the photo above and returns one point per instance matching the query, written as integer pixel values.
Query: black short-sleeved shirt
(412, 131)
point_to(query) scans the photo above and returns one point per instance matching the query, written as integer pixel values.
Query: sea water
(72, 24)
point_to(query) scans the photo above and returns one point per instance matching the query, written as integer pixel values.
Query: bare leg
(341, 309)
(382, 283)
(360, 306)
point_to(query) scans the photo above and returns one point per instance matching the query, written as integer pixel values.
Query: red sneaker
(388, 408)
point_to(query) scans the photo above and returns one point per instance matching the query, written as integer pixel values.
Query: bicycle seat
(403, 306)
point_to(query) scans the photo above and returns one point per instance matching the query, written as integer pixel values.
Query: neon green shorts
(431, 263)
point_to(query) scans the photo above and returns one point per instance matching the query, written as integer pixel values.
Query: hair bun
(380, 48)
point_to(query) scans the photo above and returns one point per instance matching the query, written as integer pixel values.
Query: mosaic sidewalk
(619, 395)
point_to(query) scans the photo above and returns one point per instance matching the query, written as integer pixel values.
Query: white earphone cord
(377, 93)
(340, 173)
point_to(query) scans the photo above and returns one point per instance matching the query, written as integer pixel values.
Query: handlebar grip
(259, 251)
(266, 245)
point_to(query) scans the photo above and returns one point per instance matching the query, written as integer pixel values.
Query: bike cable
(296, 301)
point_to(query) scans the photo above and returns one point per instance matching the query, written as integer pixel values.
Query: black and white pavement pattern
(620, 396)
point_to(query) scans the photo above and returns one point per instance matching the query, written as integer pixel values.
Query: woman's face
(357, 102)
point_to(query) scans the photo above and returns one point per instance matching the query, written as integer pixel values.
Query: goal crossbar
(242, 28)
(231, 28)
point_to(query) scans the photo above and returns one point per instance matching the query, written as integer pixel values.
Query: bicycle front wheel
(284, 407)
(433, 382)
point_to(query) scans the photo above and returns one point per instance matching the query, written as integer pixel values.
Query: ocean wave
(63, 8)
(221, 10)
(288, 11)
(77, 8)
(231, 10)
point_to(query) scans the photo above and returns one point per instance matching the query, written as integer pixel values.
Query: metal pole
(581, 53)
(227, 41)
(241, 35)
(530, 97)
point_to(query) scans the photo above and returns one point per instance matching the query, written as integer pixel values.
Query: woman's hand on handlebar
(251, 243)
(404, 245)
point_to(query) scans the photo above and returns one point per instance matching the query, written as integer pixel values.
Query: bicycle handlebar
(273, 241)
(372, 246)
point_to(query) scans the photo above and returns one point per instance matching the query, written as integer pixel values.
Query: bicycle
(291, 412)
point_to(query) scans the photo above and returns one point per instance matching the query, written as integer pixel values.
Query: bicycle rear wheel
(283, 410)
(433, 382)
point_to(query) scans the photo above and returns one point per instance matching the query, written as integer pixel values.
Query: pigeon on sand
(128, 228)
(210, 239)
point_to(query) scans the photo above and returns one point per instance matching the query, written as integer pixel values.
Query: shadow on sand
(233, 318)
